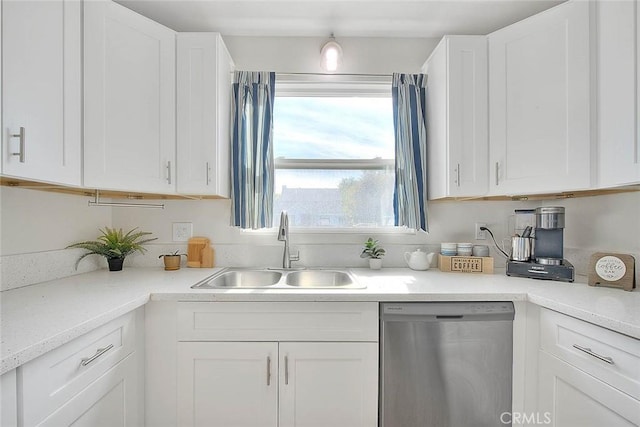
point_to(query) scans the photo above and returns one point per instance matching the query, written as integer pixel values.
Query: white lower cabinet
(569, 397)
(93, 380)
(587, 375)
(328, 384)
(271, 364)
(110, 401)
(266, 384)
(8, 399)
(228, 384)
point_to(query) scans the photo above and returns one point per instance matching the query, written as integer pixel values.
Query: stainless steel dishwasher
(445, 364)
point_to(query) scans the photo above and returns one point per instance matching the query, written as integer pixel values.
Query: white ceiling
(345, 18)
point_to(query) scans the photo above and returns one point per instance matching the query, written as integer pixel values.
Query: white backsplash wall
(599, 223)
(448, 221)
(36, 226)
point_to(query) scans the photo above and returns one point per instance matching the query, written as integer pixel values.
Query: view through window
(334, 162)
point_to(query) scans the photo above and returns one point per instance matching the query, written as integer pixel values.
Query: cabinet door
(568, 397)
(41, 90)
(110, 401)
(328, 384)
(468, 116)
(617, 110)
(227, 384)
(129, 100)
(203, 108)
(539, 84)
(457, 119)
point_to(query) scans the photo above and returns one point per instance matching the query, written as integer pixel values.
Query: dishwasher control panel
(496, 310)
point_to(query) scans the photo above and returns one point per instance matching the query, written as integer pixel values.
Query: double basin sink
(241, 278)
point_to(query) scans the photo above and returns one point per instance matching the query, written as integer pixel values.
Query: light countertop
(39, 318)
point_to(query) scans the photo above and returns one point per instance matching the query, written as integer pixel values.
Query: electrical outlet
(481, 234)
(182, 231)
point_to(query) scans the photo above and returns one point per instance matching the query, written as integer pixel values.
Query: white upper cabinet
(457, 117)
(539, 103)
(616, 51)
(129, 100)
(41, 90)
(204, 69)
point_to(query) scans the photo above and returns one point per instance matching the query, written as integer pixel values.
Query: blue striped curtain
(408, 93)
(252, 149)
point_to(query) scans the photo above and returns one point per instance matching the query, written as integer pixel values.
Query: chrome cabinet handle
(286, 370)
(596, 355)
(208, 170)
(497, 172)
(169, 172)
(86, 360)
(21, 150)
(268, 370)
(458, 175)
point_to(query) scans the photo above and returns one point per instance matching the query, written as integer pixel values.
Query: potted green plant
(114, 245)
(172, 261)
(374, 252)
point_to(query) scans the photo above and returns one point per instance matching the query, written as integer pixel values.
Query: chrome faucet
(283, 236)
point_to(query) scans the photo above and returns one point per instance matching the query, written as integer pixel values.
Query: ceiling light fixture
(331, 55)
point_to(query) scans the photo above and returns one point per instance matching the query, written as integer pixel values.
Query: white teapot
(418, 260)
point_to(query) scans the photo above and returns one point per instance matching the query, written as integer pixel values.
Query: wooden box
(465, 264)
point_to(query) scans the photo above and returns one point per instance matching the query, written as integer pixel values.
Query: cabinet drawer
(55, 377)
(609, 356)
(278, 321)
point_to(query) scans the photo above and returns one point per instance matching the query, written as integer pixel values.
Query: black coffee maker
(547, 261)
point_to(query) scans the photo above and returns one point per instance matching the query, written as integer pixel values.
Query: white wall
(600, 223)
(302, 54)
(36, 226)
(36, 221)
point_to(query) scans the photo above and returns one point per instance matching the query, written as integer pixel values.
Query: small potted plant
(172, 261)
(374, 252)
(114, 245)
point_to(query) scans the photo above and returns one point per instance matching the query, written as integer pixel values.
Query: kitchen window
(334, 152)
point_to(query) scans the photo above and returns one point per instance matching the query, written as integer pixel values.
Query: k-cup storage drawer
(57, 376)
(277, 321)
(609, 356)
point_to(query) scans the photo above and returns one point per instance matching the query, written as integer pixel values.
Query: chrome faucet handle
(295, 257)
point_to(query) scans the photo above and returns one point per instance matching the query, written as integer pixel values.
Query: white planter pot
(375, 264)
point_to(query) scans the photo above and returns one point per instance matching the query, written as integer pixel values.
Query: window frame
(343, 85)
